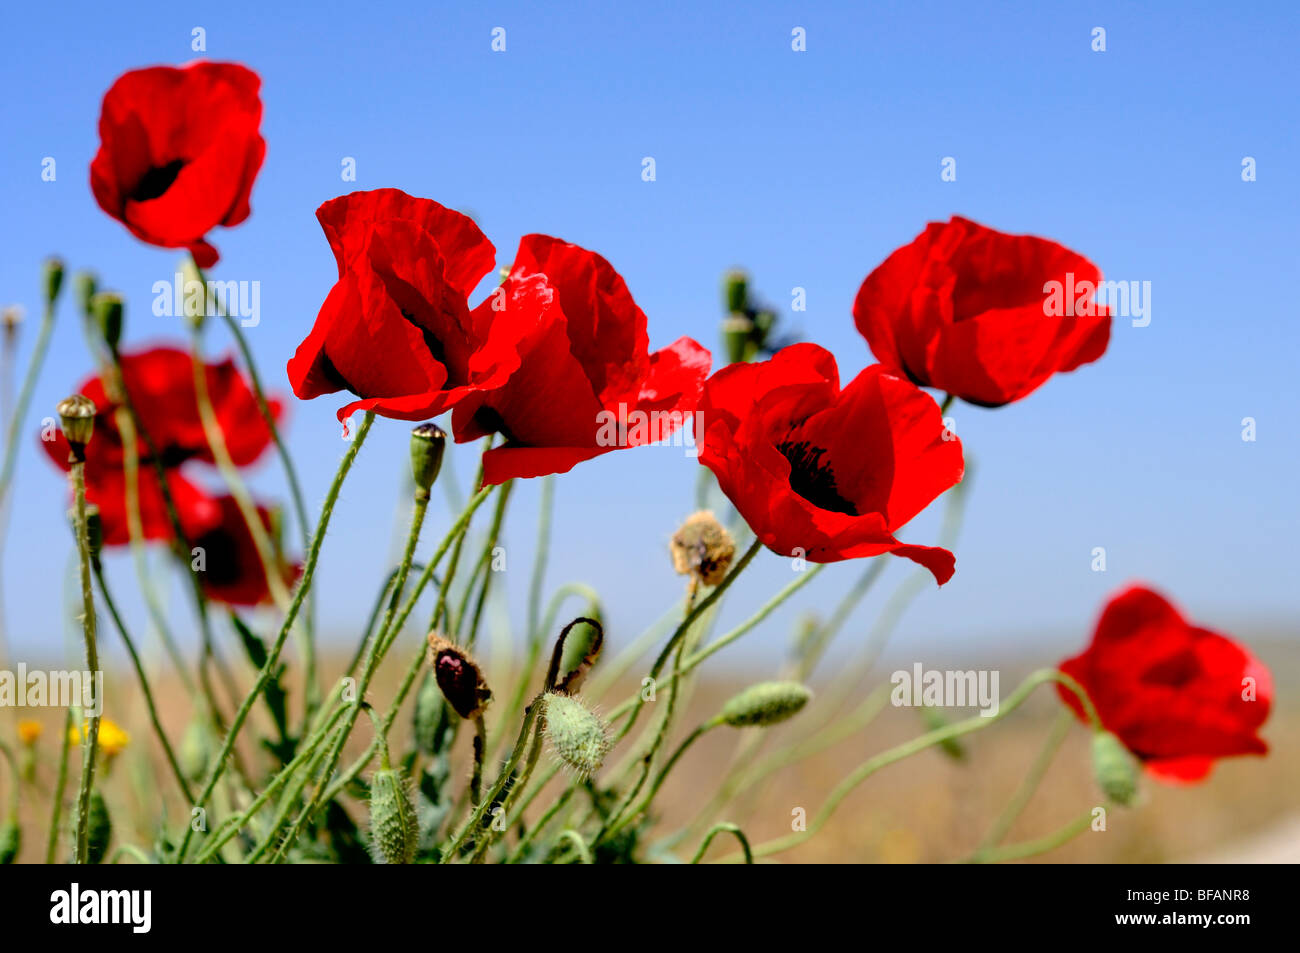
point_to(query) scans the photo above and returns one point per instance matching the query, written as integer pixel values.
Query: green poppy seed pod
(99, 829)
(576, 734)
(459, 677)
(394, 828)
(764, 704)
(53, 279)
(1114, 768)
(106, 313)
(84, 285)
(77, 415)
(11, 841)
(195, 749)
(428, 443)
(703, 548)
(737, 338)
(735, 290)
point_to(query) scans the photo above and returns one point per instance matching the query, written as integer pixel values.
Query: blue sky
(807, 168)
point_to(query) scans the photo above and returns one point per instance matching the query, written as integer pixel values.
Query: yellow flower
(29, 731)
(112, 738)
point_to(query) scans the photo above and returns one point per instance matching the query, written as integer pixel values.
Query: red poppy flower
(587, 382)
(1177, 695)
(161, 384)
(974, 312)
(231, 568)
(396, 328)
(179, 150)
(824, 473)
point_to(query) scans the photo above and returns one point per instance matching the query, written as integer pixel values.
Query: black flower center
(157, 181)
(812, 479)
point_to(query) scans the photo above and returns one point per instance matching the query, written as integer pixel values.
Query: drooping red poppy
(231, 570)
(587, 382)
(160, 382)
(1177, 695)
(396, 328)
(983, 315)
(824, 473)
(179, 150)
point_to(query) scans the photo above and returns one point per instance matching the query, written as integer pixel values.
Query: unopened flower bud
(583, 639)
(764, 704)
(53, 278)
(84, 284)
(99, 829)
(934, 719)
(77, 414)
(431, 717)
(106, 313)
(394, 827)
(576, 734)
(735, 290)
(459, 677)
(428, 443)
(703, 548)
(1114, 768)
(737, 338)
(11, 840)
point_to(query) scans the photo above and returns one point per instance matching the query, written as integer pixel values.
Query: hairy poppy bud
(53, 277)
(106, 312)
(77, 414)
(99, 829)
(459, 677)
(195, 749)
(430, 719)
(764, 704)
(735, 290)
(1114, 768)
(11, 840)
(428, 442)
(576, 734)
(933, 720)
(737, 338)
(703, 548)
(84, 285)
(394, 828)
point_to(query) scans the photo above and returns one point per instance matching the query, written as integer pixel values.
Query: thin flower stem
(216, 439)
(662, 776)
(579, 845)
(480, 746)
(1028, 786)
(34, 364)
(724, 828)
(60, 787)
(1040, 845)
(909, 748)
(545, 514)
(484, 566)
(144, 683)
(273, 656)
(90, 732)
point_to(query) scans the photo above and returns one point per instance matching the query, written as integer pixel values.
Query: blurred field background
(928, 808)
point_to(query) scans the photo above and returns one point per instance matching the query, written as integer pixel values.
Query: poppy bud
(99, 829)
(1114, 768)
(459, 677)
(84, 285)
(737, 338)
(394, 828)
(934, 720)
(195, 749)
(583, 639)
(53, 276)
(11, 840)
(77, 414)
(428, 442)
(735, 290)
(764, 704)
(576, 734)
(106, 312)
(429, 720)
(703, 548)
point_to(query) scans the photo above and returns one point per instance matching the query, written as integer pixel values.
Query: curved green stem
(1039, 845)
(724, 828)
(1027, 788)
(25, 393)
(60, 786)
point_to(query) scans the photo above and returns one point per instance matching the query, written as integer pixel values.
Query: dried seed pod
(576, 734)
(459, 677)
(1114, 768)
(394, 828)
(703, 548)
(99, 829)
(764, 704)
(77, 416)
(428, 443)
